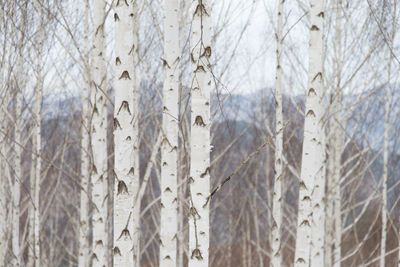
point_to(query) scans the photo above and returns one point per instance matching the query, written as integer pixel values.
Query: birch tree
(3, 187)
(337, 147)
(277, 195)
(333, 203)
(3, 140)
(199, 218)
(17, 171)
(248, 141)
(99, 137)
(310, 225)
(126, 134)
(37, 139)
(17, 147)
(169, 148)
(385, 171)
(83, 259)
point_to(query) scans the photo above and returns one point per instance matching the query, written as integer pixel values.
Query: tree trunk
(199, 218)
(169, 145)
(338, 141)
(83, 257)
(310, 222)
(330, 221)
(99, 138)
(3, 126)
(126, 144)
(277, 195)
(17, 255)
(17, 172)
(385, 173)
(37, 136)
(3, 186)
(31, 211)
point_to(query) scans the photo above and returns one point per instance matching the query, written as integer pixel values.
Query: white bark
(181, 224)
(169, 147)
(277, 195)
(16, 187)
(3, 184)
(337, 148)
(3, 126)
(333, 222)
(99, 138)
(337, 154)
(385, 177)
(330, 221)
(310, 227)
(137, 205)
(199, 224)
(3, 199)
(182, 188)
(31, 211)
(126, 144)
(3, 196)
(182, 162)
(83, 257)
(37, 136)
(18, 175)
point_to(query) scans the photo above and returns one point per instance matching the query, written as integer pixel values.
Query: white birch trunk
(183, 149)
(277, 195)
(126, 144)
(169, 145)
(3, 201)
(83, 257)
(384, 180)
(385, 167)
(338, 141)
(37, 136)
(136, 208)
(31, 211)
(3, 126)
(310, 226)
(181, 222)
(36, 199)
(3, 196)
(199, 224)
(17, 178)
(99, 138)
(337, 154)
(330, 221)
(318, 204)
(182, 188)
(16, 187)
(34, 212)
(337, 201)
(3, 183)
